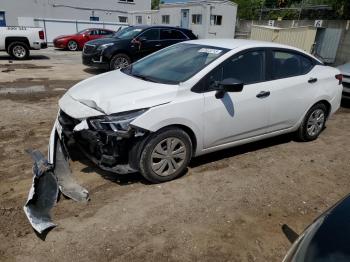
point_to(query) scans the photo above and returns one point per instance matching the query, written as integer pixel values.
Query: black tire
(155, 139)
(72, 45)
(303, 133)
(19, 50)
(122, 57)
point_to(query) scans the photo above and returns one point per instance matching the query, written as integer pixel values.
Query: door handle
(263, 94)
(158, 45)
(312, 80)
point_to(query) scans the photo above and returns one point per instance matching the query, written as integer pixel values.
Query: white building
(206, 18)
(115, 11)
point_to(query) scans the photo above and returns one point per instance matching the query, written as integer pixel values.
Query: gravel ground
(230, 206)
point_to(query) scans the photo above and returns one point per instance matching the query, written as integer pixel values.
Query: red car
(77, 41)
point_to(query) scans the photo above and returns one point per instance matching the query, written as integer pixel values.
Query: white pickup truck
(18, 40)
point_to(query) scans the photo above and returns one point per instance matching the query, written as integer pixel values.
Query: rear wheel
(19, 50)
(166, 155)
(72, 45)
(313, 123)
(119, 61)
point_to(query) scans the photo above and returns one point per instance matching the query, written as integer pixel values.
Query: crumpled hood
(115, 92)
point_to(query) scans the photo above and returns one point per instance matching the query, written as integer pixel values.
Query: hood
(105, 40)
(115, 92)
(62, 36)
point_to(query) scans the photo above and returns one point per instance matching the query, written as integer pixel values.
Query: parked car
(76, 41)
(327, 239)
(131, 44)
(194, 98)
(345, 70)
(17, 41)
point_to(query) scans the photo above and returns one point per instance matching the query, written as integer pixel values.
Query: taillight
(340, 78)
(41, 35)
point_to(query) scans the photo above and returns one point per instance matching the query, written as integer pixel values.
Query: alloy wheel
(120, 63)
(315, 122)
(72, 46)
(168, 156)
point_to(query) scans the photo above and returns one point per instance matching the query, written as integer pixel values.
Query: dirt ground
(230, 206)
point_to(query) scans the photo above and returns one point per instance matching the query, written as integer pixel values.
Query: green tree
(155, 4)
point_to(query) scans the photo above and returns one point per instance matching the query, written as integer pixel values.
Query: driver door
(237, 115)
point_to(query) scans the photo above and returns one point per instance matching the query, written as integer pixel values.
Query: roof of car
(159, 26)
(235, 43)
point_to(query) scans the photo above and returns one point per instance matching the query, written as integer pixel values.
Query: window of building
(139, 19)
(126, 1)
(123, 19)
(171, 34)
(216, 20)
(286, 64)
(197, 19)
(165, 19)
(94, 18)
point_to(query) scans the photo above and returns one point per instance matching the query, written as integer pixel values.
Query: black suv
(131, 44)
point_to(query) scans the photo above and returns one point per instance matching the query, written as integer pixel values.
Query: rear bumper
(39, 45)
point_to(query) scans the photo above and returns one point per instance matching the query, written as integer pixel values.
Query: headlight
(104, 46)
(116, 122)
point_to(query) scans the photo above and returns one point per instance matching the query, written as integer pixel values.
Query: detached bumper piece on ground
(48, 180)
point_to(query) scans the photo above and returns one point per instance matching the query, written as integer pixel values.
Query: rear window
(287, 64)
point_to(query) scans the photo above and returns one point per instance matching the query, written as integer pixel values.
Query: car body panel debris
(67, 185)
(50, 177)
(42, 195)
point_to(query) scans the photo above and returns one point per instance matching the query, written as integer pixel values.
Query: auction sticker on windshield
(210, 51)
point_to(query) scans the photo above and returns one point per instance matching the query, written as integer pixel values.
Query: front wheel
(119, 61)
(18, 50)
(313, 123)
(166, 155)
(72, 45)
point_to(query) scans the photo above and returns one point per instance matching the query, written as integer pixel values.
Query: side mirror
(228, 85)
(142, 39)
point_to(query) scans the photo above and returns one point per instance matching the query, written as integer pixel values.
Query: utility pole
(301, 9)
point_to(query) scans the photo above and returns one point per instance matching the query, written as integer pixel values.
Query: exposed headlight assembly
(115, 122)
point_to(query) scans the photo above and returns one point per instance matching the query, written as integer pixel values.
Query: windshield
(128, 32)
(82, 32)
(175, 64)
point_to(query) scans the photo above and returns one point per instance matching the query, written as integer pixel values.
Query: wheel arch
(121, 51)
(327, 104)
(189, 131)
(11, 39)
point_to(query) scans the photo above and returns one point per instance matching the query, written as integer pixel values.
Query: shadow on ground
(31, 57)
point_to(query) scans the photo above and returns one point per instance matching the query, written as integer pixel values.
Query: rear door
(293, 85)
(169, 36)
(94, 34)
(239, 115)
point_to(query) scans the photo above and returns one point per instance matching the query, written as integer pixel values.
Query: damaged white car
(194, 98)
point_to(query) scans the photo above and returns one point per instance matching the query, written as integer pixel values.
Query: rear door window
(171, 34)
(288, 64)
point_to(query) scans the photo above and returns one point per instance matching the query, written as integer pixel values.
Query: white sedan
(194, 98)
